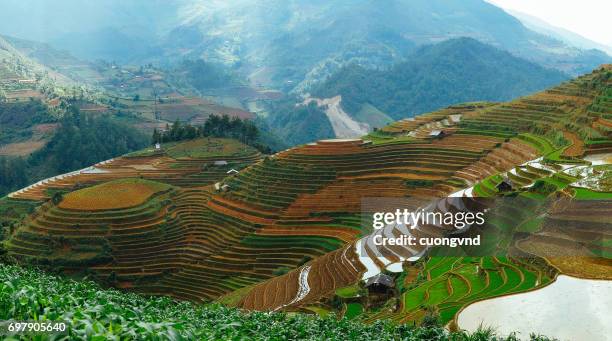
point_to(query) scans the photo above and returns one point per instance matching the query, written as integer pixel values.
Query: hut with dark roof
(380, 283)
(505, 185)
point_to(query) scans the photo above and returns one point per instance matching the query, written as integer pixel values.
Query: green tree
(175, 131)
(57, 198)
(156, 138)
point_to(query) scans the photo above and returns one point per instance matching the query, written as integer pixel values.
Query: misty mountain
(569, 37)
(112, 29)
(296, 43)
(288, 44)
(19, 60)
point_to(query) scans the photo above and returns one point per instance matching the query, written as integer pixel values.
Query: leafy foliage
(95, 314)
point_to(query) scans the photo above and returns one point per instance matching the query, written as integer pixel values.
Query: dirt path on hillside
(344, 126)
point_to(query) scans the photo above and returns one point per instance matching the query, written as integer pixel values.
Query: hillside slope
(458, 70)
(283, 233)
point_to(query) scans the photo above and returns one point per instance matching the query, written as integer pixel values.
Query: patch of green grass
(540, 143)
(12, 210)
(348, 292)
(414, 298)
(459, 286)
(480, 192)
(587, 194)
(379, 137)
(554, 181)
(437, 292)
(206, 147)
(556, 156)
(532, 225)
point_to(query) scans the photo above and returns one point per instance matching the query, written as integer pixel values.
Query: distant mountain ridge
(287, 44)
(569, 37)
(435, 76)
(295, 44)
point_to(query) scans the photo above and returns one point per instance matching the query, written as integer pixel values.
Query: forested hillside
(458, 70)
(18, 119)
(298, 124)
(245, 131)
(80, 140)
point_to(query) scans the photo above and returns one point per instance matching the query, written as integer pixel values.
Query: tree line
(245, 131)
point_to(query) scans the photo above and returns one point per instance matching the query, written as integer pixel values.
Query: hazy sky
(589, 18)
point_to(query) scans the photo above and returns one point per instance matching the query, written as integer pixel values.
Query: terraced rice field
(111, 195)
(576, 239)
(486, 140)
(283, 232)
(171, 165)
(454, 282)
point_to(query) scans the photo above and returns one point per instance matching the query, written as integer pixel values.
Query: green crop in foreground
(93, 313)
